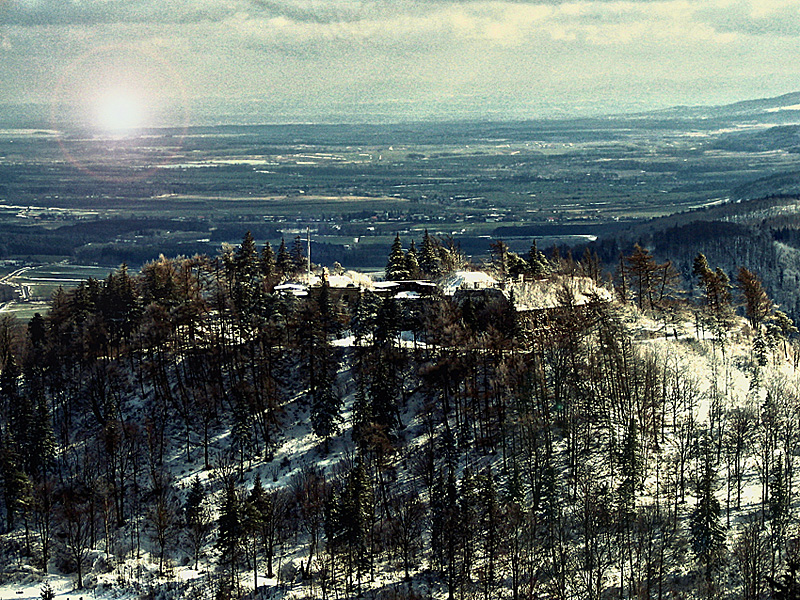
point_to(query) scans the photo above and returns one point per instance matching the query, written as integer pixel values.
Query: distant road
(17, 273)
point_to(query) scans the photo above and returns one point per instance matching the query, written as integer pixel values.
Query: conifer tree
(246, 257)
(349, 514)
(490, 524)
(325, 401)
(537, 262)
(298, 256)
(15, 483)
(254, 521)
(283, 262)
(631, 466)
(446, 531)
(230, 536)
(787, 587)
(267, 264)
(412, 262)
(707, 535)
(242, 429)
(430, 261)
(396, 269)
(47, 592)
(43, 446)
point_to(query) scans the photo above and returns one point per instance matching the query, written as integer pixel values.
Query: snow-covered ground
(717, 374)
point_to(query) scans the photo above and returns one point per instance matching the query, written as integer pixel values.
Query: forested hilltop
(204, 428)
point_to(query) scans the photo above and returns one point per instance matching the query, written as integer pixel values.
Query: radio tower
(308, 253)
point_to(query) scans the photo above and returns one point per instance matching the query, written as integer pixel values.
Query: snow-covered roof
(341, 281)
(406, 295)
(549, 293)
(472, 280)
(295, 289)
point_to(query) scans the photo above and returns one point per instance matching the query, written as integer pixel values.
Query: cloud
(98, 12)
(763, 18)
(518, 52)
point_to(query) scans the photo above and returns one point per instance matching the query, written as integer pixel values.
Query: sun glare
(119, 112)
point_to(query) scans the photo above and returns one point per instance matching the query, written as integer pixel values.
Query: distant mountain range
(784, 109)
(779, 109)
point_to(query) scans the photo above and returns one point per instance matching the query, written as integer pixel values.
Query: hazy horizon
(204, 112)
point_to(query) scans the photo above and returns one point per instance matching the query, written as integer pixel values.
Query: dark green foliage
(396, 267)
(430, 261)
(298, 256)
(230, 535)
(631, 469)
(197, 518)
(194, 500)
(707, 534)
(412, 262)
(787, 586)
(349, 517)
(325, 403)
(267, 265)
(16, 486)
(283, 261)
(47, 592)
(537, 262)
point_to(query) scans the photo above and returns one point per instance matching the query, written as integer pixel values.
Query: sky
(391, 60)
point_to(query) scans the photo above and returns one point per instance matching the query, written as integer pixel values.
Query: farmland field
(93, 200)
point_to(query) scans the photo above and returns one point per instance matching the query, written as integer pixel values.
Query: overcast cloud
(402, 58)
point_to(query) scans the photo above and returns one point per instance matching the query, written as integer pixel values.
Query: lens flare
(119, 112)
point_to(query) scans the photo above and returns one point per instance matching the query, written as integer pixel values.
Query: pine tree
(412, 262)
(430, 261)
(351, 520)
(778, 502)
(267, 264)
(787, 587)
(298, 256)
(42, 450)
(47, 592)
(490, 523)
(707, 535)
(631, 466)
(537, 262)
(242, 429)
(254, 521)
(14, 481)
(396, 269)
(323, 366)
(37, 331)
(230, 536)
(283, 262)
(447, 533)
(325, 401)
(194, 500)
(246, 259)
(247, 289)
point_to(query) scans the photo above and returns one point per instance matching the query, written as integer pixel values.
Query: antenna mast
(308, 253)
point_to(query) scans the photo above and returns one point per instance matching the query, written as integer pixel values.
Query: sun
(119, 111)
